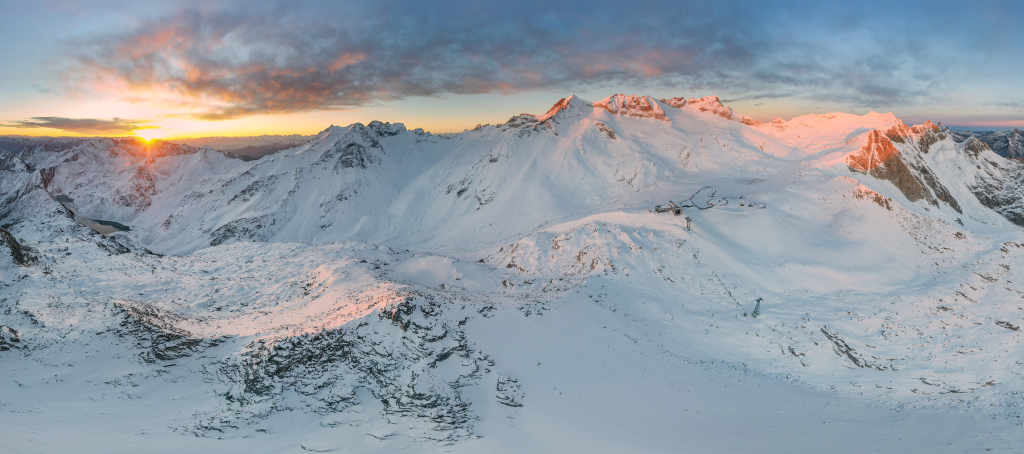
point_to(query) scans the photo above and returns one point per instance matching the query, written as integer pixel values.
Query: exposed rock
(509, 392)
(243, 229)
(713, 105)
(385, 129)
(843, 348)
(1007, 325)
(154, 333)
(12, 163)
(21, 255)
(974, 147)
(999, 187)
(632, 106)
(353, 156)
(606, 130)
(521, 121)
(879, 199)
(9, 339)
(396, 355)
(880, 159)
(255, 188)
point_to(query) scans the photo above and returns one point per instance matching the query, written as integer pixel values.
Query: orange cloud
(83, 126)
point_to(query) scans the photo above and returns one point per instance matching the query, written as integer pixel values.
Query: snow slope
(845, 280)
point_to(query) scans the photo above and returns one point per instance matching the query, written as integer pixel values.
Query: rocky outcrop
(9, 339)
(606, 130)
(386, 129)
(632, 106)
(155, 336)
(409, 356)
(713, 105)
(255, 228)
(880, 158)
(21, 255)
(352, 156)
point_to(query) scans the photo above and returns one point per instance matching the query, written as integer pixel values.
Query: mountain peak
(900, 132)
(11, 162)
(571, 104)
(632, 106)
(330, 131)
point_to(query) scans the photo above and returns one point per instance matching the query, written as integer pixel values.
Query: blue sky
(173, 69)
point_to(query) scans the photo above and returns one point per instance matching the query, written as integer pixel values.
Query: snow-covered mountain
(1008, 143)
(513, 288)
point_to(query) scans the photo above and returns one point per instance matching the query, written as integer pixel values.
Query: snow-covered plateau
(833, 282)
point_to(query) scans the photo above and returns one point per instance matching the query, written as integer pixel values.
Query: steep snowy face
(566, 108)
(11, 162)
(1015, 145)
(816, 132)
(997, 183)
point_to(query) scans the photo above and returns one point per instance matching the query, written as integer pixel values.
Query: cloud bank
(114, 126)
(240, 60)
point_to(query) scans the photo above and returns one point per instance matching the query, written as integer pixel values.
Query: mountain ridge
(457, 292)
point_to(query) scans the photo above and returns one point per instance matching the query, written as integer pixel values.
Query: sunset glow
(191, 69)
(148, 134)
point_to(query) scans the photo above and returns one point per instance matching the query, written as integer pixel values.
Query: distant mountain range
(1008, 144)
(515, 287)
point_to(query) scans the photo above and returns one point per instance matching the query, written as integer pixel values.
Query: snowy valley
(833, 280)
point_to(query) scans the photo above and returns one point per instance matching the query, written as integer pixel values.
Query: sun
(149, 135)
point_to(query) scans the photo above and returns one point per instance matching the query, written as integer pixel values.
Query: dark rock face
(255, 189)
(1015, 145)
(243, 229)
(349, 154)
(997, 185)
(1001, 188)
(9, 339)
(21, 255)
(880, 159)
(157, 339)
(354, 156)
(1008, 144)
(409, 356)
(386, 129)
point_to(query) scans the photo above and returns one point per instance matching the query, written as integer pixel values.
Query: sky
(240, 68)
